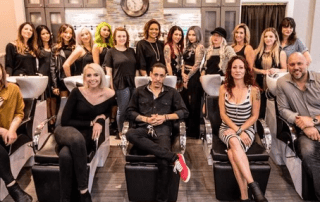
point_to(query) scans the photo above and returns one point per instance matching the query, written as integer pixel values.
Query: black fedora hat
(221, 31)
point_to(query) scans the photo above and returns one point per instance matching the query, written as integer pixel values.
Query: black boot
(18, 194)
(86, 197)
(257, 193)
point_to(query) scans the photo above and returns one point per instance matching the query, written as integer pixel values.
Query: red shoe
(181, 166)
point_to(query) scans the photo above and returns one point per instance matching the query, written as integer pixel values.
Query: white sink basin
(143, 80)
(30, 86)
(272, 82)
(211, 83)
(71, 82)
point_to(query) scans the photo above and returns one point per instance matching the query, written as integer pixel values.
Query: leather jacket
(56, 68)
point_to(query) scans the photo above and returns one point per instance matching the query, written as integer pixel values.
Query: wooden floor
(110, 185)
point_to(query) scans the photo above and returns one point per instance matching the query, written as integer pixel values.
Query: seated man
(298, 95)
(153, 106)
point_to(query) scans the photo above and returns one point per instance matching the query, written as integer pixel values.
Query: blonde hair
(78, 37)
(275, 50)
(98, 69)
(222, 49)
(246, 32)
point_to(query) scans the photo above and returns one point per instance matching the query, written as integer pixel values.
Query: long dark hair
(286, 22)
(60, 40)
(170, 42)
(248, 76)
(39, 30)
(32, 42)
(147, 27)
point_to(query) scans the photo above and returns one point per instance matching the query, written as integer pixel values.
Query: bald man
(298, 99)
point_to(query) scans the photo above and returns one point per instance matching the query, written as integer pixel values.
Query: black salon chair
(46, 169)
(226, 186)
(141, 169)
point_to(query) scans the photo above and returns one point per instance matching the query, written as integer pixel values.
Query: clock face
(134, 5)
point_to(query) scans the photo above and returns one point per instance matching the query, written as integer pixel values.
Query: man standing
(298, 95)
(152, 106)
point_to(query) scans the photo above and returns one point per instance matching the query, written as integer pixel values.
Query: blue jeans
(123, 99)
(309, 151)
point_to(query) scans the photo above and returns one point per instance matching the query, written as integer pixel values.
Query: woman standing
(173, 54)
(289, 41)
(21, 54)
(103, 41)
(218, 53)
(269, 59)
(11, 115)
(150, 49)
(82, 122)
(82, 55)
(66, 41)
(241, 43)
(192, 92)
(120, 63)
(239, 102)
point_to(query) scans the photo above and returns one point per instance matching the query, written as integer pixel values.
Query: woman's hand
(245, 138)
(229, 131)
(9, 137)
(56, 91)
(101, 116)
(273, 71)
(96, 131)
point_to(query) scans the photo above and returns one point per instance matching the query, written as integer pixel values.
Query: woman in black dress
(21, 53)
(82, 122)
(66, 42)
(103, 41)
(150, 49)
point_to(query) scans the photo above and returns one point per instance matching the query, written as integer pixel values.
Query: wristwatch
(315, 121)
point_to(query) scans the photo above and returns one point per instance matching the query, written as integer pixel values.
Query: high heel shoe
(257, 193)
(18, 194)
(86, 197)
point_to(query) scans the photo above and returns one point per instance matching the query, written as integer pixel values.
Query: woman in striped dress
(239, 103)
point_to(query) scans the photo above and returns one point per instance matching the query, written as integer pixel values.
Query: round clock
(135, 8)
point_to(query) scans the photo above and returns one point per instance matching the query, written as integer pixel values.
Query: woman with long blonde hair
(21, 53)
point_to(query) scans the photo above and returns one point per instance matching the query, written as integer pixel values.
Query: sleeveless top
(103, 54)
(82, 62)
(239, 114)
(189, 57)
(241, 52)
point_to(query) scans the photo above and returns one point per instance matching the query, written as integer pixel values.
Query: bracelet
(166, 116)
(100, 121)
(239, 131)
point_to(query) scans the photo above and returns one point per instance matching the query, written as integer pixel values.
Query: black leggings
(5, 169)
(72, 158)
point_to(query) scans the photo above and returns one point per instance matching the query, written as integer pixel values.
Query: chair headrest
(211, 84)
(143, 80)
(271, 81)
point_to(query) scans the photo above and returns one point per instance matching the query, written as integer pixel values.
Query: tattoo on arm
(167, 55)
(258, 95)
(199, 53)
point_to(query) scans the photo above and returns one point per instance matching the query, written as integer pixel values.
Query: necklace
(157, 55)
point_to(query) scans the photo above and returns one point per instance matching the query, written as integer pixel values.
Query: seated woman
(11, 115)
(239, 103)
(81, 123)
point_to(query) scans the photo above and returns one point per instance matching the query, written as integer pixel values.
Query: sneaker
(181, 166)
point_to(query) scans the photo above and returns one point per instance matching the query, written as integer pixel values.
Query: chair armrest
(37, 133)
(269, 95)
(182, 136)
(264, 134)
(25, 121)
(124, 142)
(291, 128)
(208, 135)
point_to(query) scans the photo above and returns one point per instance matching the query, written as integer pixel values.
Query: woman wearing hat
(218, 53)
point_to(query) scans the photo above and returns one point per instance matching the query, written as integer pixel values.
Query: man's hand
(304, 122)
(245, 138)
(312, 133)
(156, 119)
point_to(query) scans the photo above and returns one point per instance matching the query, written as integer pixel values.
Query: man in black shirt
(152, 106)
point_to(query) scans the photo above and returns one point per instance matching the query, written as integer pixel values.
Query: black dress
(102, 55)
(44, 67)
(82, 62)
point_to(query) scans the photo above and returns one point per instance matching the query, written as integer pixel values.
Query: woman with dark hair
(120, 64)
(82, 55)
(150, 50)
(82, 122)
(192, 92)
(11, 115)
(239, 103)
(66, 42)
(21, 53)
(103, 41)
(173, 54)
(289, 41)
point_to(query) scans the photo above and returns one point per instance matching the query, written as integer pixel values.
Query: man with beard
(298, 95)
(153, 106)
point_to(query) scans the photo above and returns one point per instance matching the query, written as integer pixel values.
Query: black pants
(5, 169)
(72, 159)
(160, 147)
(263, 105)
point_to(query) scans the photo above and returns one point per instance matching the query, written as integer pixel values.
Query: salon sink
(74, 81)
(143, 80)
(30, 86)
(272, 81)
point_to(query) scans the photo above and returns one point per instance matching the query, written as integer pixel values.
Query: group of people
(154, 105)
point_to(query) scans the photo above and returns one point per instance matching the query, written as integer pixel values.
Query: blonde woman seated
(239, 104)
(82, 122)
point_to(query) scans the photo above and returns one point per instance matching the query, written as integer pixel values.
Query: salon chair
(226, 186)
(141, 169)
(19, 151)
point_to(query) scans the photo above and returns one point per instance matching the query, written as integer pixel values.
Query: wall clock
(135, 8)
